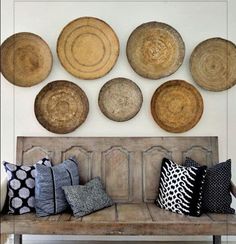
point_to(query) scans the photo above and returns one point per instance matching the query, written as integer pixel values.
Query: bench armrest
(233, 189)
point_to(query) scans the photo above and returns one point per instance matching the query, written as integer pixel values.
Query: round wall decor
(155, 50)
(176, 106)
(88, 48)
(120, 99)
(213, 64)
(26, 59)
(61, 106)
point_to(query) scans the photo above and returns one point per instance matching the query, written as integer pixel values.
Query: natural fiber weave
(26, 59)
(155, 50)
(176, 106)
(120, 99)
(88, 48)
(61, 106)
(213, 64)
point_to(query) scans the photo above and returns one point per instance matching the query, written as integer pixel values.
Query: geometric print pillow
(216, 191)
(181, 188)
(21, 185)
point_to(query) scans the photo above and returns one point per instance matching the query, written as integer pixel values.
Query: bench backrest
(129, 166)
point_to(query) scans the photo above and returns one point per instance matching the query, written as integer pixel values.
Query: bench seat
(122, 219)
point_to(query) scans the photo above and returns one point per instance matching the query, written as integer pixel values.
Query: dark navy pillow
(216, 191)
(49, 196)
(180, 188)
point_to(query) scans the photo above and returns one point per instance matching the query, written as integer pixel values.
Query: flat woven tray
(61, 107)
(120, 99)
(26, 59)
(88, 48)
(176, 106)
(213, 64)
(155, 50)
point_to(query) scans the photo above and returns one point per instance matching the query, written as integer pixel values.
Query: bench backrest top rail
(129, 166)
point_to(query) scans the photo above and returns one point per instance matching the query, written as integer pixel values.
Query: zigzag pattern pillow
(21, 185)
(180, 188)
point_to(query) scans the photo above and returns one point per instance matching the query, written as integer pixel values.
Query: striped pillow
(49, 196)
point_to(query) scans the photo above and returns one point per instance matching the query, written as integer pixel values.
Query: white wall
(195, 21)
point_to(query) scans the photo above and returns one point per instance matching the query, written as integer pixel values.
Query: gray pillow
(216, 191)
(86, 199)
(49, 196)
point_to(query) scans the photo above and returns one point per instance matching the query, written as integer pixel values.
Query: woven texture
(120, 99)
(49, 196)
(213, 64)
(61, 106)
(176, 106)
(26, 59)
(86, 199)
(180, 188)
(88, 48)
(21, 186)
(216, 194)
(155, 50)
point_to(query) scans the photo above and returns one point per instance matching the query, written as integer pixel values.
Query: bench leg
(216, 239)
(17, 239)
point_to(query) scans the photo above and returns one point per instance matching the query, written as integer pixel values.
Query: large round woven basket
(176, 106)
(213, 64)
(120, 99)
(26, 59)
(155, 50)
(61, 107)
(88, 48)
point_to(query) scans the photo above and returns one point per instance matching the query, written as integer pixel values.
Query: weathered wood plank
(133, 213)
(117, 228)
(105, 215)
(65, 217)
(54, 217)
(75, 219)
(204, 218)
(161, 215)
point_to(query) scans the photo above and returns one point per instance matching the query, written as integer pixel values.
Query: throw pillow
(86, 199)
(180, 188)
(21, 184)
(49, 196)
(216, 191)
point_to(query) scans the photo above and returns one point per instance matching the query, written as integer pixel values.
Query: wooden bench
(130, 170)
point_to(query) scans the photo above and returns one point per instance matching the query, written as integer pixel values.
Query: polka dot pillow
(21, 185)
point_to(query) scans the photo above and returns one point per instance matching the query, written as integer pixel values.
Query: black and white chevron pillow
(21, 185)
(181, 188)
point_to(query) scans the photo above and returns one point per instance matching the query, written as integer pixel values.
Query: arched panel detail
(152, 159)
(33, 154)
(200, 154)
(84, 161)
(116, 173)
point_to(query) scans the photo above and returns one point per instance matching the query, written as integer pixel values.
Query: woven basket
(26, 59)
(61, 107)
(120, 99)
(155, 50)
(176, 106)
(88, 48)
(213, 64)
